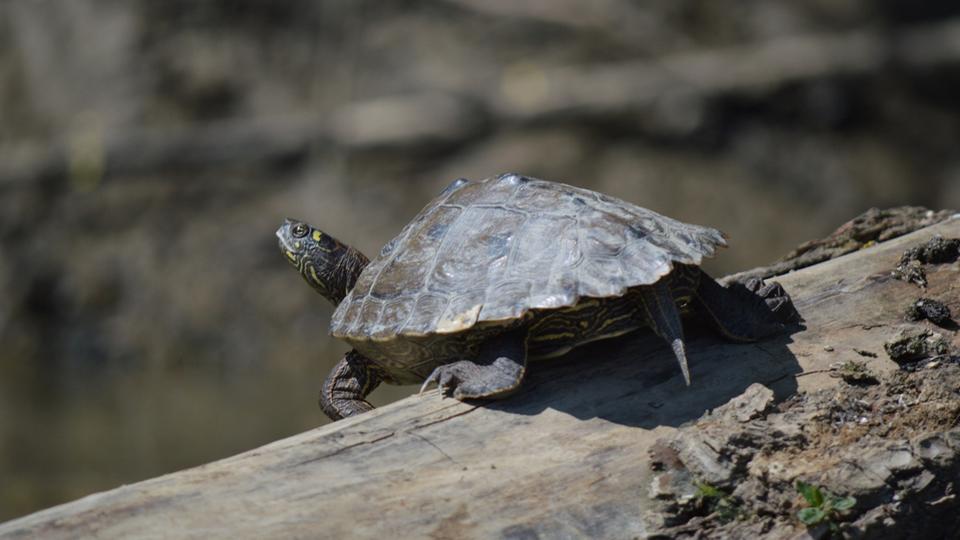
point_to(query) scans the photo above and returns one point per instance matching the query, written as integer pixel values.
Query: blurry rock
(419, 119)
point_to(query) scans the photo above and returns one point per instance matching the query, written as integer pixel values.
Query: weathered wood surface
(567, 458)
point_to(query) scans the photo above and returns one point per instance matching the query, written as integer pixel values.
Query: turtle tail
(663, 317)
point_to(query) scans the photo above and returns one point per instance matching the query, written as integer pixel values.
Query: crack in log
(345, 448)
(428, 424)
(435, 447)
(391, 434)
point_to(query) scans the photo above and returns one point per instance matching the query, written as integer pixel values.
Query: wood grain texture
(566, 458)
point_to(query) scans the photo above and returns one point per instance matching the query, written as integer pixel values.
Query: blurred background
(149, 149)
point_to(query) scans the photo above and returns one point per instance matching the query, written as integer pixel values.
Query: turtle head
(329, 266)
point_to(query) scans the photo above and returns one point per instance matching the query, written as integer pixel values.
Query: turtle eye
(299, 230)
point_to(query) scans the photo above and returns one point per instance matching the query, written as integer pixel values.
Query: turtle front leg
(496, 372)
(347, 385)
(745, 311)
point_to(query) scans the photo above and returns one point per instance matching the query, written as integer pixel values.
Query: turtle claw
(469, 380)
(433, 378)
(448, 377)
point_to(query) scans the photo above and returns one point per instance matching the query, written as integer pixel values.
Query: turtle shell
(492, 250)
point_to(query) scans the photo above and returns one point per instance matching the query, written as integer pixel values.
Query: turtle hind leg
(346, 387)
(745, 311)
(775, 298)
(496, 372)
(663, 317)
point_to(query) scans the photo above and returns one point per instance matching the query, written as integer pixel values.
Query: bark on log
(566, 458)
(869, 228)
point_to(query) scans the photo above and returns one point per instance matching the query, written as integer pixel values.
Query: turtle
(497, 272)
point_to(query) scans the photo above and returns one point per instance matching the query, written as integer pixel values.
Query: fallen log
(569, 457)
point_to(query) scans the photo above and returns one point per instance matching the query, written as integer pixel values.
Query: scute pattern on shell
(491, 250)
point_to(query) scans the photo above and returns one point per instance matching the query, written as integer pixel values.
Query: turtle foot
(746, 311)
(776, 299)
(469, 380)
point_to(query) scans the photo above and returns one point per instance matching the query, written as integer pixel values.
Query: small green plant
(824, 507)
(723, 505)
